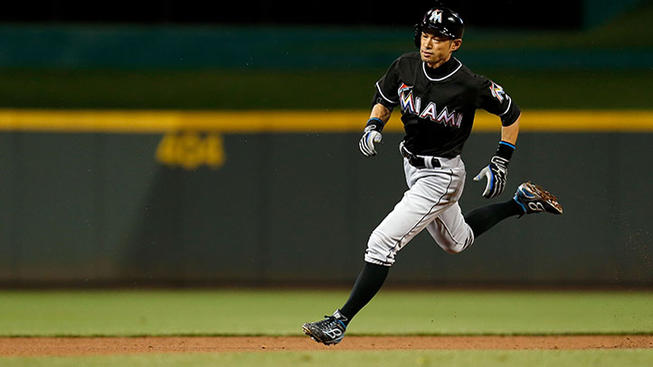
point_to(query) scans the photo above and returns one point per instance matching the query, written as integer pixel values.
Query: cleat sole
(551, 199)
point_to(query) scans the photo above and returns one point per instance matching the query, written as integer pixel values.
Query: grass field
(130, 313)
(392, 312)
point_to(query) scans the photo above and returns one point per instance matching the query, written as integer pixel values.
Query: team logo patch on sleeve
(497, 92)
(404, 88)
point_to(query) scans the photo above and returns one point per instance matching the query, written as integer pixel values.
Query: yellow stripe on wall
(128, 121)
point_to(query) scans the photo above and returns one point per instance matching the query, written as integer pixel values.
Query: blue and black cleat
(329, 331)
(533, 198)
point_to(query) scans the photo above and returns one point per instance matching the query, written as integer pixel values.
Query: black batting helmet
(442, 22)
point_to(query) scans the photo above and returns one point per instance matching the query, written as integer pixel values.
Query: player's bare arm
(509, 133)
(381, 112)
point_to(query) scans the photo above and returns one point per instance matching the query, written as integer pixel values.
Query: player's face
(436, 50)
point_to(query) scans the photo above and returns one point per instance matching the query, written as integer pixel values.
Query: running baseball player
(438, 97)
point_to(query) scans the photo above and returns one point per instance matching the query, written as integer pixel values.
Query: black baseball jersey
(438, 105)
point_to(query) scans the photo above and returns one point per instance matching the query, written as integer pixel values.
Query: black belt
(420, 161)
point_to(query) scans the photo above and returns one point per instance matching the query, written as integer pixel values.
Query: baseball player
(437, 96)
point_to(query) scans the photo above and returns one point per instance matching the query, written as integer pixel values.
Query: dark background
(293, 207)
(556, 14)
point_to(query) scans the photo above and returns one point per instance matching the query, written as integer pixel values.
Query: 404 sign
(191, 149)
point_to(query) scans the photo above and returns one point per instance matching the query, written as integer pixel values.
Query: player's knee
(379, 251)
(456, 246)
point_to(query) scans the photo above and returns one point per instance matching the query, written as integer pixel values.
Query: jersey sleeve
(495, 100)
(386, 87)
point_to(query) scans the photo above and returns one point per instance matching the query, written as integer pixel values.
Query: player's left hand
(369, 138)
(496, 173)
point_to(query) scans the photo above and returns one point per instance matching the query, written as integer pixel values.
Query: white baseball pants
(431, 202)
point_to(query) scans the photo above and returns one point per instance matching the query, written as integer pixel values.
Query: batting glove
(370, 137)
(496, 173)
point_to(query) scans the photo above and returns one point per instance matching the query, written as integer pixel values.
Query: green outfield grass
(594, 358)
(222, 312)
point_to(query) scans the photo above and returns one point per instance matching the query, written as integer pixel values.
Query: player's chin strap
(496, 172)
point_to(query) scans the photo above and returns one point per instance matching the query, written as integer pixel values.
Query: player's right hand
(369, 138)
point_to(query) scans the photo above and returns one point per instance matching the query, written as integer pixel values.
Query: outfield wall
(147, 197)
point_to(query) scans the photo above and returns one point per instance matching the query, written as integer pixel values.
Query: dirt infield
(128, 345)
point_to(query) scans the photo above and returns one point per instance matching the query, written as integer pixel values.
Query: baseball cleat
(534, 199)
(329, 331)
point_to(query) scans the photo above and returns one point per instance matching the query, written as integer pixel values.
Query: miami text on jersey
(412, 105)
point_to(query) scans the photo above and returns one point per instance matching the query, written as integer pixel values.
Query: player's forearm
(509, 133)
(381, 112)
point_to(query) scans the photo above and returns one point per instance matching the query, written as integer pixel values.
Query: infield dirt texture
(98, 346)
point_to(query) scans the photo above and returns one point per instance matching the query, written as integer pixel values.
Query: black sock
(369, 282)
(482, 219)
